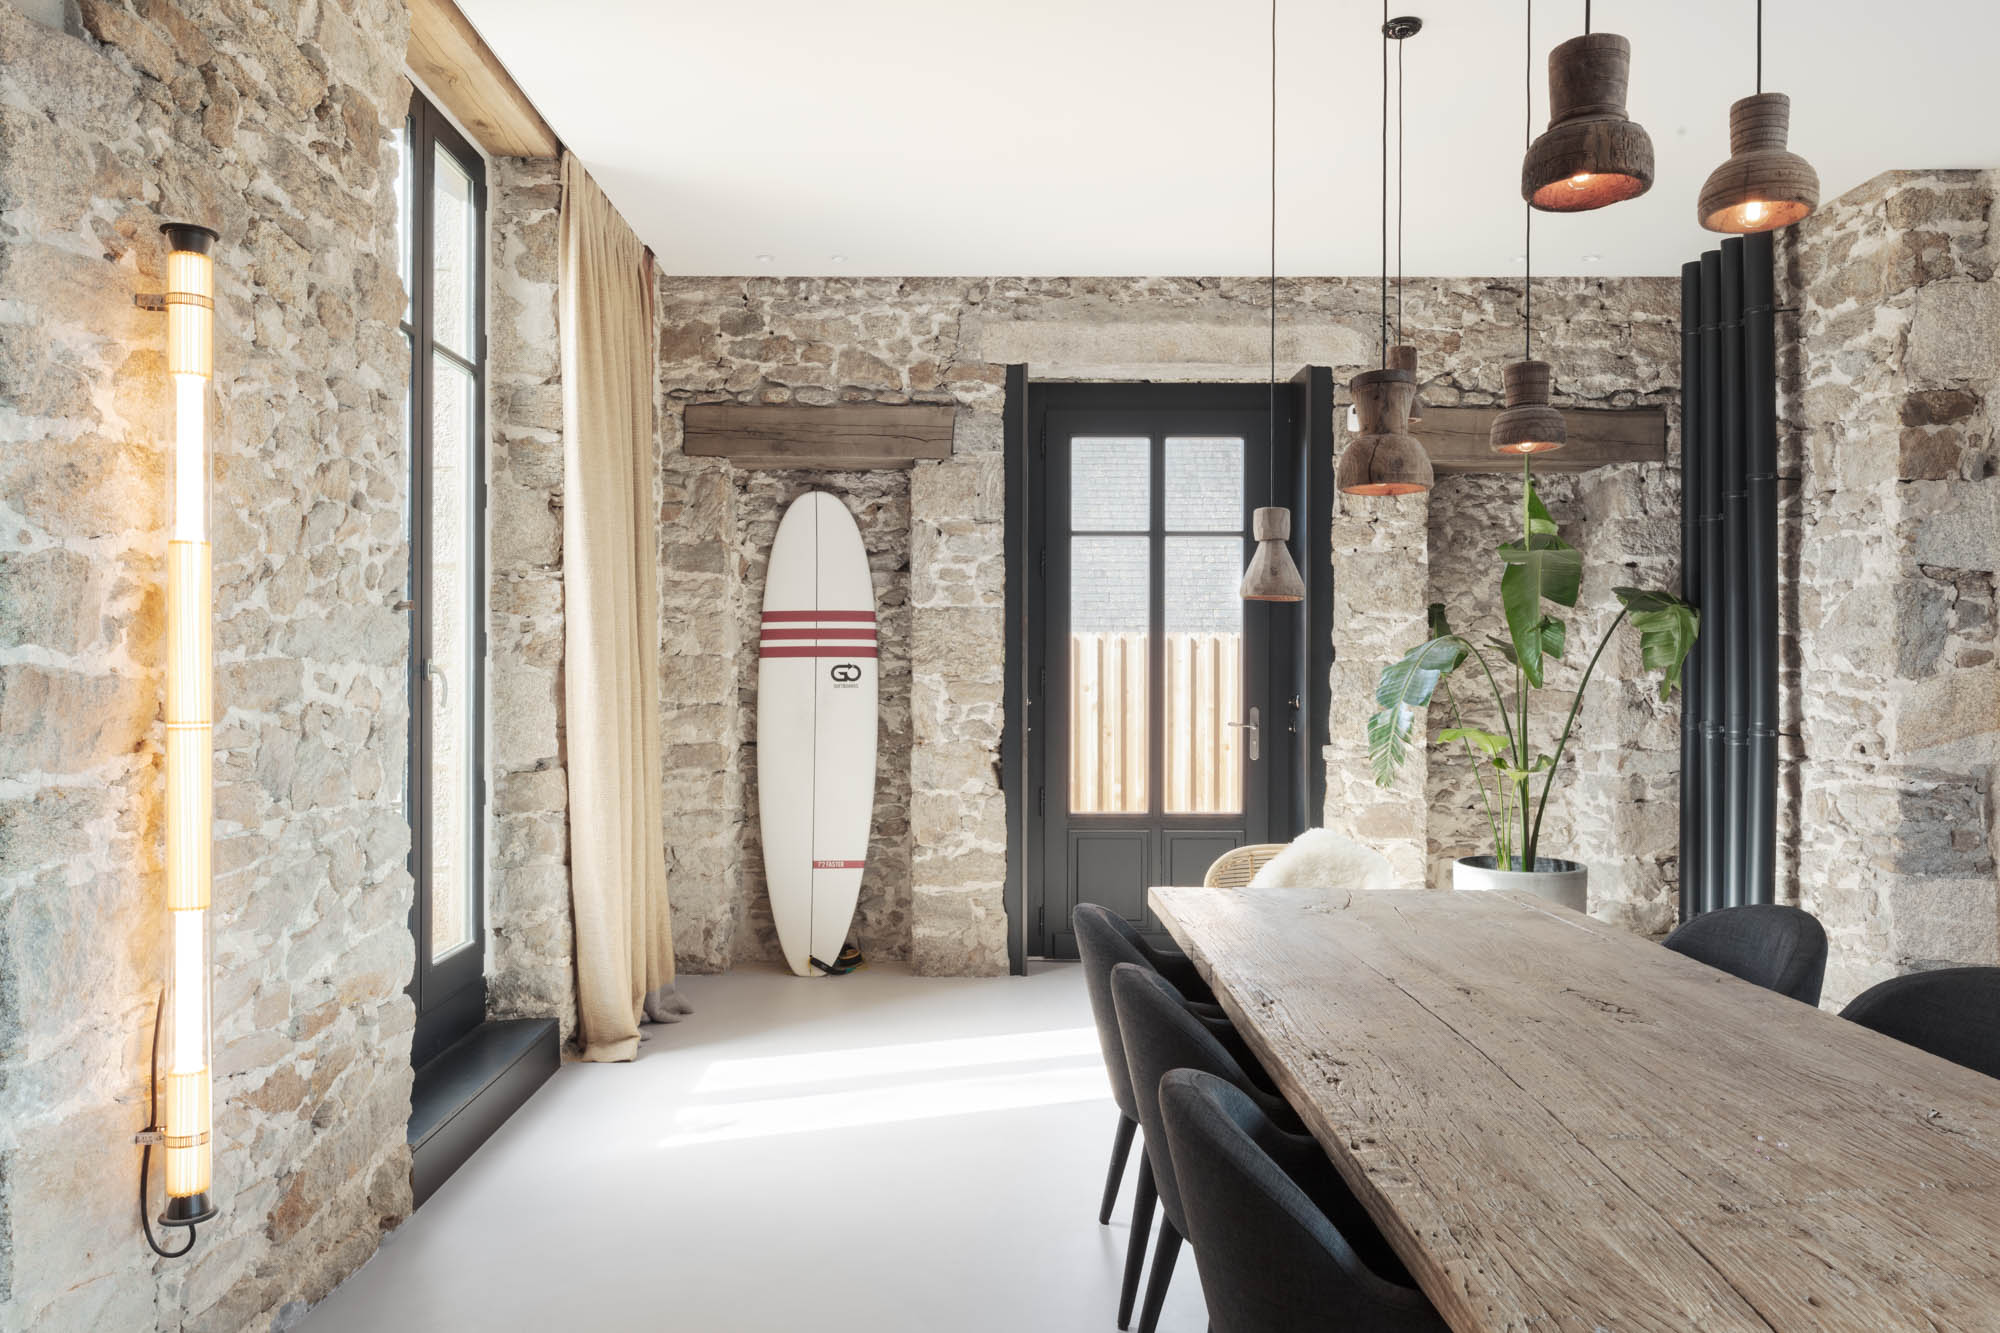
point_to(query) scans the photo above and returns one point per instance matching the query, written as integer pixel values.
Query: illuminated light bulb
(1580, 181)
(1753, 212)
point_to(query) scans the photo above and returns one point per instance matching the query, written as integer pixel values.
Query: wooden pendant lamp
(1763, 185)
(1383, 458)
(1592, 153)
(1273, 575)
(1528, 424)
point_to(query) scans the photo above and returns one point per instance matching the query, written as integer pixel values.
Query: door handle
(1254, 731)
(442, 681)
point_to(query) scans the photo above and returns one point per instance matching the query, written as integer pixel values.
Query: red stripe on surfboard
(839, 865)
(820, 615)
(858, 632)
(787, 650)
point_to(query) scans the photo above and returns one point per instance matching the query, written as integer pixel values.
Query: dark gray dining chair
(1281, 1243)
(1103, 940)
(1779, 948)
(1159, 1034)
(1953, 1012)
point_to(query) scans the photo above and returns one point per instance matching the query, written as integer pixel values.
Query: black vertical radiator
(1729, 570)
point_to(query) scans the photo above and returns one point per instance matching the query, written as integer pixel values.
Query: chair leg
(1135, 1248)
(1163, 1274)
(1121, 1147)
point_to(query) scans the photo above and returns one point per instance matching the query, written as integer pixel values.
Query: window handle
(1254, 732)
(443, 682)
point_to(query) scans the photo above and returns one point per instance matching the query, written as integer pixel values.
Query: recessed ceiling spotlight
(1593, 259)
(763, 259)
(836, 259)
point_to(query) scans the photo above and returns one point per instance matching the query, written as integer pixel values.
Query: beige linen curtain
(611, 668)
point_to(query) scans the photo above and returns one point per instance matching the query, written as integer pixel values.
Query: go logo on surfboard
(845, 673)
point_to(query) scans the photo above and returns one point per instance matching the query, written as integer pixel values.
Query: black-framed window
(443, 248)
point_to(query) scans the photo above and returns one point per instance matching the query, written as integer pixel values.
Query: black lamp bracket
(1396, 29)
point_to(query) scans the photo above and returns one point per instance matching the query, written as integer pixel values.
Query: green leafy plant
(1540, 572)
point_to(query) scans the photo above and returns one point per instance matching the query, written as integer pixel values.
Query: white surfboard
(816, 704)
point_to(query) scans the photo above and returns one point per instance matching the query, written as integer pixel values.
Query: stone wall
(268, 123)
(1892, 531)
(530, 964)
(931, 894)
(822, 341)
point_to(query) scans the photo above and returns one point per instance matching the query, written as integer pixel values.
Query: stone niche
(933, 893)
(1891, 540)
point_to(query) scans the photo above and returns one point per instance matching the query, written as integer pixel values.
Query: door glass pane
(1204, 673)
(406, 261)
(1110, 596)
(454, 248)
(451, 661)
(1110, 485)
(1204, 484)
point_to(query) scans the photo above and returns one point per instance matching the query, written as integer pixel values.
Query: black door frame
(1301, 646)
(450, 994)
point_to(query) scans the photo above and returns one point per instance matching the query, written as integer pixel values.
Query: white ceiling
(1075, 137)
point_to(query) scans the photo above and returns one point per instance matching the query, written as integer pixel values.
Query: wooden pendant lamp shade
(1528, 425)
(1763, 185)
(1272, 576)
(1384, 458)
(1592, 153)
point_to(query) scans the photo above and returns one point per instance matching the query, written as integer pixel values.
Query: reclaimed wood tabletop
(1561, 1125)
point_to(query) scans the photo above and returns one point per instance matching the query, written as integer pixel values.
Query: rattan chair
(1234, 869)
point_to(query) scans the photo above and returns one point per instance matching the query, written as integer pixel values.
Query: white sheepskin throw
(1322, 859)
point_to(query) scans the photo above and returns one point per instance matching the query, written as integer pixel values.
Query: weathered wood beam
(1456, 438)
(456, 65)
(852, 438)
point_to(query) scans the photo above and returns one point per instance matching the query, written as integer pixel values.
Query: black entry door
(1166, 720)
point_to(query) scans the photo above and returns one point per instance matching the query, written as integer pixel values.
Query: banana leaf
(1541, 568)
(1406, 686)
(1667, 629)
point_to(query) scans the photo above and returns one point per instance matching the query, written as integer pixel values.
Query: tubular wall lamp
(1383, 458)
(1592, 153)
(1763, 185)
(181, 1025)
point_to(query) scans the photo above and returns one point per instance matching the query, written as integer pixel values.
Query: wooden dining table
(1561, 1125)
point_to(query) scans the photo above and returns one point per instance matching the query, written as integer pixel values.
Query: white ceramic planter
(1564, 882)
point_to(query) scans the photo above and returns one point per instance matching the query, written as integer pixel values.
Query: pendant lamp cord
(1271, 429)
(1399, 192)
(1760, 45)
(1528, 223)
(1586, 18)
(1385, 182)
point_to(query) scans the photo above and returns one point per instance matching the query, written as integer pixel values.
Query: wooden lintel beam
(850, 438)
(1456, 438)
(462, 72)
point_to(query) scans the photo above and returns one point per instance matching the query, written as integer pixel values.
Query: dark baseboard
(469, 1089)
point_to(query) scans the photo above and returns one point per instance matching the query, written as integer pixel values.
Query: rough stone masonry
(267, 122)
(1890, 533)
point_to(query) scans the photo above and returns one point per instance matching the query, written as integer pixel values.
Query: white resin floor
(875, 1152)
